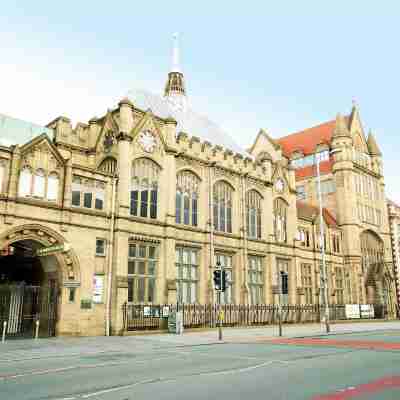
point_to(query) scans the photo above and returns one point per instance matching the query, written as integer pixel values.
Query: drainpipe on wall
(211, 212)
(110, 257)
(395, 250)
(246, 284)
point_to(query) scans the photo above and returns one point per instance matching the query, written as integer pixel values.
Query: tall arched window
(52, 187)
(187, 195)
(108, 165)
(280, 220)
(144, 188)
(253, 214)
(39, 183)
(25, 182)
(222, 199)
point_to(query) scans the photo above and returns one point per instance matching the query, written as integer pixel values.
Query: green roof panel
(16, 131)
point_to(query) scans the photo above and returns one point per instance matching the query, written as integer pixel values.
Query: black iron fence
(148, 317)
(25, 309)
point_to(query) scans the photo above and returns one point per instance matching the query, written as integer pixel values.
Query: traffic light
(284, 283)
(220, 280)
(223, 281)
(217, 279)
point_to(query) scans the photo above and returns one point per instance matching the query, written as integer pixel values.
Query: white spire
(175, 54)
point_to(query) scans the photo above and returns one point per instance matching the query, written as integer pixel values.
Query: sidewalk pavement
(271, 331)
(16, 349)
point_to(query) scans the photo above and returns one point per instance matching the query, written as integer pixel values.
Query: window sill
(256, 240)
(100, 255)
(38, 202)
(88, 211)
(226, 234)
(190, 228)
(146, 220)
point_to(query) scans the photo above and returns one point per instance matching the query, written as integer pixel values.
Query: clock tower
(174, 91)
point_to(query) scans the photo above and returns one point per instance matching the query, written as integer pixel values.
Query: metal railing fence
(154, 317)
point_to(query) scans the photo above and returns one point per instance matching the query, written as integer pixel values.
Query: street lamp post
(272, 236)
(324, 281)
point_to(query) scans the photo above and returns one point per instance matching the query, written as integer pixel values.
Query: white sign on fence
(367, 311)
(147, 311)
(352, 311)
(165, 311)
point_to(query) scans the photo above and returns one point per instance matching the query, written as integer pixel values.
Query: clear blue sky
(281, 65)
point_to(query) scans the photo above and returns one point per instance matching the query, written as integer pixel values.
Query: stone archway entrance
(30, 282)
(377, 280)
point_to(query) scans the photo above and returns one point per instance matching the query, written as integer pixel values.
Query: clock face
(279, 185)
(147, 141)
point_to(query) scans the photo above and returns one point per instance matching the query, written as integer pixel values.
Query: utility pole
(220, 286)
(324, 280)
(280, 304)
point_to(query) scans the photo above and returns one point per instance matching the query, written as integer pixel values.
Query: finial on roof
(373, 146)
(126, 101)
(174, 90)
(354, 111)
(175, 54)
(341, 129)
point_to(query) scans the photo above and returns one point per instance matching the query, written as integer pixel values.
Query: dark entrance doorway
(28, 290)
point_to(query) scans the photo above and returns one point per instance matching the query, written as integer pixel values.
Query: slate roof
(308, 211)
(188, 121)
(307, 140)
(16, 131)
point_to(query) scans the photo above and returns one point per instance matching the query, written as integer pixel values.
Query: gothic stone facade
(394, 224)
(155, 210)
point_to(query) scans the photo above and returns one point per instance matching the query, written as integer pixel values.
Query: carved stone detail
(182, 162)
(222, 173)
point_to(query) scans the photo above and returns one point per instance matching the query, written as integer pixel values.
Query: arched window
(108, 165)
(25, 182)
(280, 220)
(39, 183)
(144, 188)
(222, 199)
(187, 188)
(52, 187)
(253, 214)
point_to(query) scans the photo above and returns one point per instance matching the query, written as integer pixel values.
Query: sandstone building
(146, 199)
(394, 225)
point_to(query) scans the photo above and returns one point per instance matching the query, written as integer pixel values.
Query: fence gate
(22, 305)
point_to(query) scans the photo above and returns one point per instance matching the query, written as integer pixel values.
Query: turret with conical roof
(341, 129)
(342, 143)
(373, 146)
(174, 90)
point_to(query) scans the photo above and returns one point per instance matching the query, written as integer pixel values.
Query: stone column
(13, 185)
(167, 282)
(124, 171)
(119, 284)
(124, 155)
(14, 172)
(65, 214)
